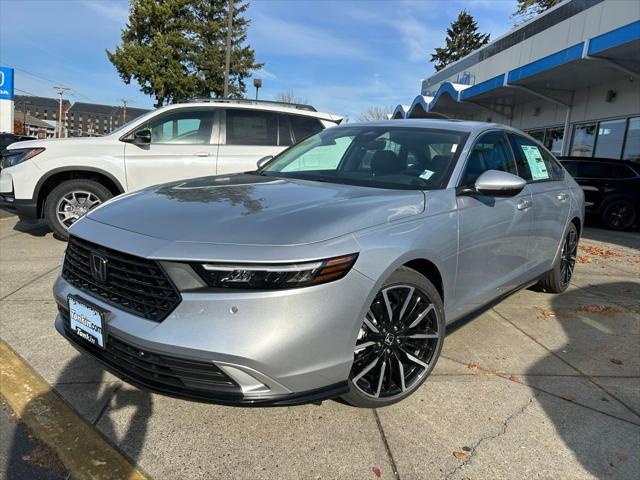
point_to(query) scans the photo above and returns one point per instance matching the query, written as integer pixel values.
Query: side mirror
(499, 184)
(263, 161)
(142, 137)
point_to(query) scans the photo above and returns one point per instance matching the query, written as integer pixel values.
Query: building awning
(555, 77)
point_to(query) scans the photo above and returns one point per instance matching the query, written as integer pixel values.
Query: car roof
(437, 123)
(269, 107)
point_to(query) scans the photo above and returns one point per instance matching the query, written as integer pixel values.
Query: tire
(74, 195)
(619, 214)
(395, 365)
(558, 278)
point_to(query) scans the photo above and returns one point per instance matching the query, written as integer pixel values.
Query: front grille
(165, 373)
(133, 284)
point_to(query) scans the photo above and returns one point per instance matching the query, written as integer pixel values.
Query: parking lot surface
(540, 386)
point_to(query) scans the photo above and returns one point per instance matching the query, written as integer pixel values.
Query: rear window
(593, 170)
(304, 126)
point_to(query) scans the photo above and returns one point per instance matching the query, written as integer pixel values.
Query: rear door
(248, 135)
(551, 202)
(493, 231)
(183, 145)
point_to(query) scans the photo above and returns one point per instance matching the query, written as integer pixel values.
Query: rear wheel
(619, 214)
(399, 341)
(70, 201)
(557, 279)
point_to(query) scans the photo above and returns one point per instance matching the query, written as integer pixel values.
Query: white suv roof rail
(248, 101)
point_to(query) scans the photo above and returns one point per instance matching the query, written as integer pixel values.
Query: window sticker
(426, 175)
(536, 162)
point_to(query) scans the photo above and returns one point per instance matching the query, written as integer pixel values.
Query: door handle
(202, 154)
(524, 204)
(562, 196)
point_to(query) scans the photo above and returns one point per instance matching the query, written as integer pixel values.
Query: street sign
(6, 83)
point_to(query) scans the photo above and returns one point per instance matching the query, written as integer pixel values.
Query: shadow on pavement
(630, 239)
(601, 343)
(85, 372)
(35, 228)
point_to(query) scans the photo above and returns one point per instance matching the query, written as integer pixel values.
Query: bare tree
(375, 113)
(290, 97)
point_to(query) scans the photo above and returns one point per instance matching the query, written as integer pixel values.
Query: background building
(570, 77)
(80, 119)
(92, 119)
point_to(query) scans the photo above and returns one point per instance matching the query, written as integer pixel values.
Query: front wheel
(399, 341)
(70, 201)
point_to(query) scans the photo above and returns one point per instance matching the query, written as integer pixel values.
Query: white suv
(62, 179)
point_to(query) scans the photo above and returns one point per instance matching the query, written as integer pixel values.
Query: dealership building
(570, 77)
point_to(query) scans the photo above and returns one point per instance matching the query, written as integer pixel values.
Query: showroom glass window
(189, 126)
(632, 142)
(584, 138)
(610, 138)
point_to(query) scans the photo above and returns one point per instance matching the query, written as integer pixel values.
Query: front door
(183, 145)
(551, 202)
(493, 231)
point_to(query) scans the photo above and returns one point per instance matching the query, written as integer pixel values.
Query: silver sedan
(332, 270)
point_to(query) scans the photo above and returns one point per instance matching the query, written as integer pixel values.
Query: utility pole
(124, 110)
(227, 65)
(61, 91)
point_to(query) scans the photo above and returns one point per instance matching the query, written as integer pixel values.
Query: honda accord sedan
(331, 271)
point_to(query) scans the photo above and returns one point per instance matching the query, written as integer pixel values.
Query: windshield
(384, 157)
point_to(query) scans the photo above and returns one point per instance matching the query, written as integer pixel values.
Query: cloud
(115, 11)
(273, 35)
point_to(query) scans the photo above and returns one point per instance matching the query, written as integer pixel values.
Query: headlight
(18, 155)
(275, 276)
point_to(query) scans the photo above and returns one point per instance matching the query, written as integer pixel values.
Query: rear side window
(534, 163)
(621, 171)
(572, 167)
(251, 127)
(491, 152)
(594, 170)
(304, 126)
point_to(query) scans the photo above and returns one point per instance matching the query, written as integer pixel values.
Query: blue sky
(343, 56)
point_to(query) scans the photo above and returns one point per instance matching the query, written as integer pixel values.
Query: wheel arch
(54, 177)
(430, 270)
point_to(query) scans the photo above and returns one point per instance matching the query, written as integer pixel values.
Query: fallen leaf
(616, 361)
(377, 472)
(568, 397)
(473, 366)
(600, 251)
(547, 313)
(515, 378)
(603, 309)
(459, 455)
(488, 373)
(583, 260)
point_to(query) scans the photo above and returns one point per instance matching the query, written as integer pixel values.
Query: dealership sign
(6, 83)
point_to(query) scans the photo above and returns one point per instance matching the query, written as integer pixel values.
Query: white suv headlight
(18, 155)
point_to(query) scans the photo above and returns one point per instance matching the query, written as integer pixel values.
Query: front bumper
(276, 348)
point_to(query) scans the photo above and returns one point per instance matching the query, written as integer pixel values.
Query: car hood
(246, 209)
(54, 142)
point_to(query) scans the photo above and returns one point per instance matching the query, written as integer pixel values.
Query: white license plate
(86, 321)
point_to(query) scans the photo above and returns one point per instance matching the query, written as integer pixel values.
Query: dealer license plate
(87, 322)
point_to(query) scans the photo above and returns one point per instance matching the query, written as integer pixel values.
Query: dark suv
(611, 189)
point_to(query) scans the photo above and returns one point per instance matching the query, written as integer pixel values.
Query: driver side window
(189, 126)
(491, 152)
